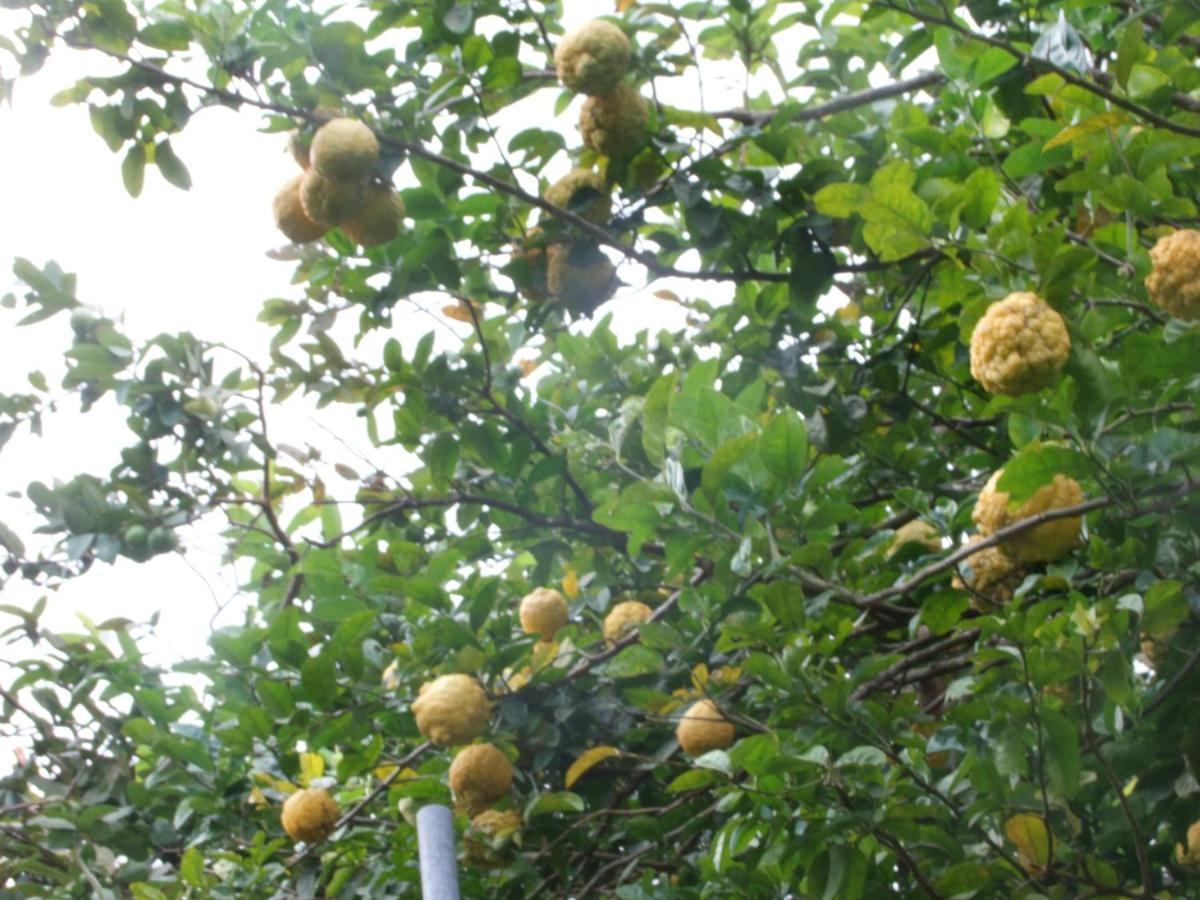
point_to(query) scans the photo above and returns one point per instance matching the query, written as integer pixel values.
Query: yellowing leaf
(312, 765)
(1087, 126)
(544, 653)
(590, 758)
(280, 784)
(699, 676)
(1032, 839)
(391, 676)
(625, 5)
(518, 680)
(528, 366)
(570, 584)
(726, 676)
(258, 798)
(460, 312)
(383, 773)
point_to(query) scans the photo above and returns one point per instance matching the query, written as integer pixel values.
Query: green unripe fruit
(135, 537)
(161, 540)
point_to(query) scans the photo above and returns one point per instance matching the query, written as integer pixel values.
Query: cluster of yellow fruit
(995, 573)
(701, 729)
(592, 60)
(335, 189)
(1019, 346)
(454, 710)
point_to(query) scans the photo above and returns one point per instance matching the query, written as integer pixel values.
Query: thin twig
(358, 807)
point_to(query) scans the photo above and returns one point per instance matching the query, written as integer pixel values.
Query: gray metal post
(435, 842)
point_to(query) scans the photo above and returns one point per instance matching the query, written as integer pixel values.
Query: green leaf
(655, 415)
(1133, 42)
(840, 200)
(714, 760)
(993, 63)
(133, 170)
(318, 681)
(1036, 465)
(691, 780)
(635, 660)
(783, 446)
(191, 868)
(898, 221)
(555, 802)
(1166, 608)
(171, 166)
(442, 459)
(723, 460)
(1145, 80)
(1063, 762)
(863, 755)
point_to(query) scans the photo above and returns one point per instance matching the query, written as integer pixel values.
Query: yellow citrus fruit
(344, 150)
(452, 709)
(479, 776)
(491, 831)
(579, 276)
(290, 217)
(543, 611)
(1174, 282)
(1044, 543)
(623, 617)
(1189, 856)
(326, 202)
(1019, 346)
(615, 124)
(593, 58)
(309, 815)
(991, 575)
(704, 728)
(583, 192)
(379, 218)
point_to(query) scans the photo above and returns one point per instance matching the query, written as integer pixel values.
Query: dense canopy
(834, 193)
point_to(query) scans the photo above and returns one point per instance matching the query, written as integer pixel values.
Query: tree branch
(911, 661)
(836, 105)
(1032, 62)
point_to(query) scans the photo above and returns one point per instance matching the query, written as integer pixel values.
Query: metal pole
(435, 842)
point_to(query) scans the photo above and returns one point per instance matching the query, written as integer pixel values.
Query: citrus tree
(875, 578)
